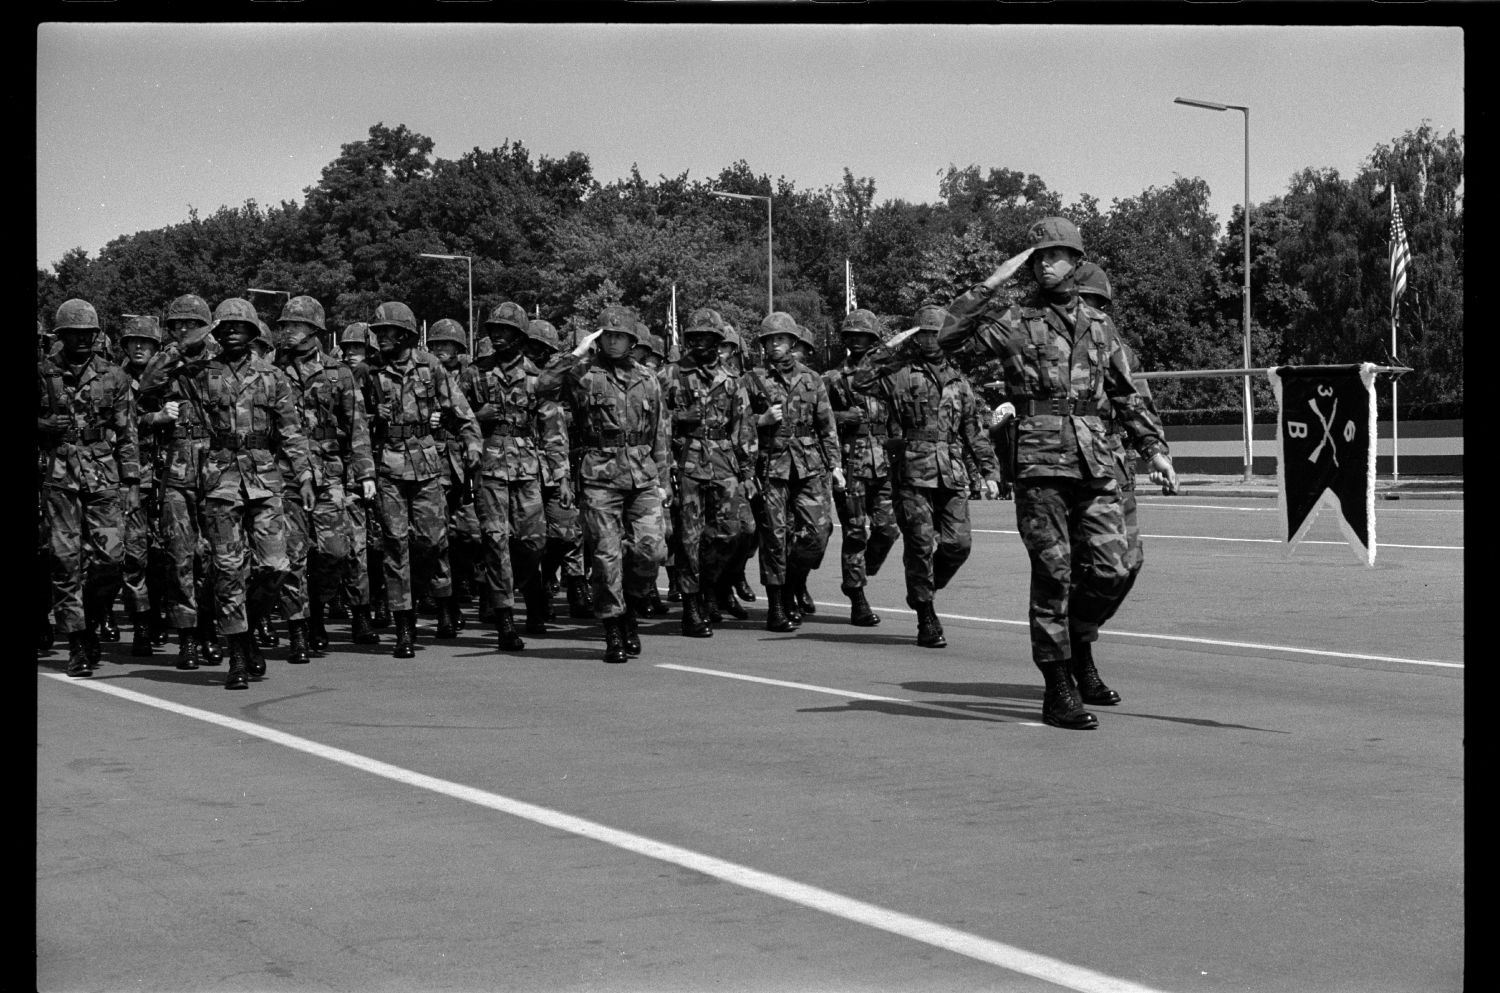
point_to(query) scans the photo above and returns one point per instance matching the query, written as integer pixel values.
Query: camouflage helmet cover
(778, 322)
(805, 335)
(544, 332)
(861, 321)
(396, 315)
(930, 318)
(706, 326)
(658, 344)
(1052, 232)
(1090, 278)
(705, 316)
(510, 314)
(76, 313)
(304, 309)
(189, 307)
(144, 326)
(733, 337)
(357, 333)
(448, 329)
(619, 319)
(237, 310)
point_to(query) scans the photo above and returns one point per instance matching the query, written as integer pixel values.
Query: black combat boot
(694, 624)
(447, 618)
(651, 604)
(255, 661)
(406, 634)
(338, 607)
(630, 635)
(239, 662)
(187, 650)
(776, 617)
(1061, 707)
(860, 613)
(1091, 688)
(789, 600)
(580, 600)
(161, 632)
(537, 602)
(426, 604)
(107, 629)
(296, 643)
(264, 631)
(209, 652)
(505, 623)
(805, 604)
(140, 635)
(317, 633)
(614, 641)
(380, 612)
(361, 631)
(724, 599)
(929, 631)
(91, 648)
(711, 607)
(674, 591)
(78, 656)
(743, 590)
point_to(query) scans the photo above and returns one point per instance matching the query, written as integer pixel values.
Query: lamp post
(1210, 105)
(261, 291)
(770, 306)
(469, 262)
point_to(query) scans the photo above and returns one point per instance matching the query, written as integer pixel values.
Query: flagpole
(847, 308)
(1395, 443)
(674, 316)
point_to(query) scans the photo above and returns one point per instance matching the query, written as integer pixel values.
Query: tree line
(544, 232)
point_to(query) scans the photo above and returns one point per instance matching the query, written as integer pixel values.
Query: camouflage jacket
(863, 422)
(805, 442)
(713, 429)
(505, 403)
(150, 428)
(406, 394)
(333, 418)
(932, 409)
(184, 442)
(251, 419)
(100, 451)
(619, 429)
(1068, 383)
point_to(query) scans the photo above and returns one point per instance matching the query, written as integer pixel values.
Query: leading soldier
(87, 429)
(1066, 374)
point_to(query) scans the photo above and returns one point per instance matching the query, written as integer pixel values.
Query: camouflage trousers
(188, 578)
(935, 538)
(465, 534)
(318, 548)
(357, 570)
(414, 523)
(1135, 552)
(867, 522)
(248, 542)
(794, 526)
(625, 531)
(1074, 531)
(142, 566)
(707, 530)
(514, 533)
(87, 549)
(564, 533)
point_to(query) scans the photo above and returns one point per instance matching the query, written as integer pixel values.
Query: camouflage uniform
(87, 463)
(364, 580)
(144, 567)
(465, 535)
(933, 410)
(619, 431)
(1067, 376)
(564, 548)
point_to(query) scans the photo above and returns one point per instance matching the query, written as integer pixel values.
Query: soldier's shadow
(988, 708)
(1023, 691)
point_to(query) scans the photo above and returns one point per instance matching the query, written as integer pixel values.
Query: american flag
(1400, 253)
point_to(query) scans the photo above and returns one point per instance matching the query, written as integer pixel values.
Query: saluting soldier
(621, 435)
(320, 540)
(932, 408)
(1066, 375)
(867, 518)
(798, 449)
(87, 430)
(413, 394)
(254, 431)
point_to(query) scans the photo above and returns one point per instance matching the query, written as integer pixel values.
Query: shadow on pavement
(979, 712)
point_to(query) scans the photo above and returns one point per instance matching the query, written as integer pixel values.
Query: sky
(138, 122)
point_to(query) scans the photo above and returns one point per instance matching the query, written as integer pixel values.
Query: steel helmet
(705, 315)
(930, 318)
(656, 343)
(778, 322)
(357, 333)
(509, 314)
(304, 309)
(543, 331)
(396, 315)
(618, 318)
(448, 330)
(805, 335)
(733, 337)
(1089, 278)
(76, 313)
(189, 307)
(715, 328)
(1055, 231)
(237, 310)
(142, 327)
(861, 322)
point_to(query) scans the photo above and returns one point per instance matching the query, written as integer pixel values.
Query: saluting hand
(587, 343)
(1008, 268)
(897, 340)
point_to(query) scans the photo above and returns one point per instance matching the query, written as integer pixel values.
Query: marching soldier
(505, 403)
(364, 581)
(320, 540)
(254, 431)
(1065, 373)
(142, 566)
(651, 352)
(413, 394)
(732, 355)
(87, 429)
(620, 432)
(932, 407)
(867, 518)
(446, 340)
(798, 447)
(713, 453)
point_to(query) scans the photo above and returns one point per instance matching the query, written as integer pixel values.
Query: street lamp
(469, 262)
(1210, 105)
(770, 306)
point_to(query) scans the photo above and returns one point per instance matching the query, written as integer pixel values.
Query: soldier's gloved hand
(309, 496)
(1163, 474)
(434, 419)
(367, 490)
(895, 341)
(771, 416)
(587, 343)
(991, 490)
(838, 478)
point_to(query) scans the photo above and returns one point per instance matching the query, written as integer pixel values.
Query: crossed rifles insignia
(1298, 429)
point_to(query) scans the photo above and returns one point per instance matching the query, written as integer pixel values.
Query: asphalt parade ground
(1276, 805)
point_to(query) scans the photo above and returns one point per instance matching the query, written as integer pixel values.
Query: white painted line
(1111, 632)
(1253, 541)
(928, 932)
(1172, 504)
